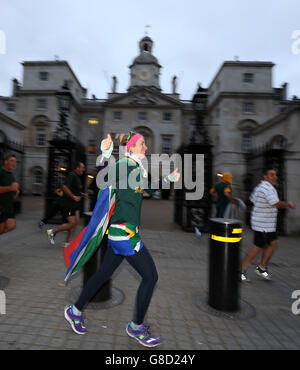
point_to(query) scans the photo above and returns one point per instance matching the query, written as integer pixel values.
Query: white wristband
(107, 152)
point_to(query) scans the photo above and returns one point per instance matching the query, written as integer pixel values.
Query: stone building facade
(161, 117)
(241, 98)
(244, 110)
(282, 133)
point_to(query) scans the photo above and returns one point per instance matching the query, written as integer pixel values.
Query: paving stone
(36, 297)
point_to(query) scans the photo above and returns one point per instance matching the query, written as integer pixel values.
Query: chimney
(16, 87)
(284, 91)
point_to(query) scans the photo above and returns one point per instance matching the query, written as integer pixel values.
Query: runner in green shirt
(129, 180)
(9, 188)
(222, 191)
(70, 204)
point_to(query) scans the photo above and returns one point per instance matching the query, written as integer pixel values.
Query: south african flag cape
(82, 248)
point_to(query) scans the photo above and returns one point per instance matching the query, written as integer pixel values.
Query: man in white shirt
(263, 223)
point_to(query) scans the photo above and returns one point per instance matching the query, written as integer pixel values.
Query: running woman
(124, 241)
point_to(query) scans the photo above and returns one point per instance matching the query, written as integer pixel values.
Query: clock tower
(145, 69)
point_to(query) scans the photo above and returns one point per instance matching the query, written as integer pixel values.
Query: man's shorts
(67, 213)
(263, 239)
(5, 215)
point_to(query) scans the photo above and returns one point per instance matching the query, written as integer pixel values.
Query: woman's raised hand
(175, 175)
(107, 143)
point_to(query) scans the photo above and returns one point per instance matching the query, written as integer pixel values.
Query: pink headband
(132, 141)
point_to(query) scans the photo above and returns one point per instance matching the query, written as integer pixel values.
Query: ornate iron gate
(191, 213)
(63, 155)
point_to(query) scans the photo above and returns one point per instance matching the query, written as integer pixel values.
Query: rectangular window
(41, 104)
(246, 143)
(166, 145)
(92, 147)
(142, 116)
(11, 107)
(40, 137)
(43, 76)
(38, 177)
(117, 116)
(248, 108)
(248, 77)
(167, 116)
(93, 121)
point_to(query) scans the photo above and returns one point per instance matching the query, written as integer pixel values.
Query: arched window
(278, 142)
(37, 176)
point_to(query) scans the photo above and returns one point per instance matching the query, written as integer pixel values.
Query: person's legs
(55, 208)
(73, 312)
(252, 253)
(268, 252)
(7, 221)
(10, 225)
(258, 243)
(70, 224)
(75, 222)
(143, 263)
(110, 263)
(220, 212)
(72, 230)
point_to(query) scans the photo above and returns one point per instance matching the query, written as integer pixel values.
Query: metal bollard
(93, 265)
(225, 238)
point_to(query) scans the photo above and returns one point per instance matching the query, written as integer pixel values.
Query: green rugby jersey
(125, 176)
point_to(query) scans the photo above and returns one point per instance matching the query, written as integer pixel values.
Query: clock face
(144, 74)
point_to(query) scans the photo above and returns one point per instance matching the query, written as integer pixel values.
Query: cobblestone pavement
(36, 293)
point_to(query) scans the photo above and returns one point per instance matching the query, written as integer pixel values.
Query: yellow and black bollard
(225, 238)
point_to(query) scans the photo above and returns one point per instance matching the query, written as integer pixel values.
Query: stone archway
(278, 142)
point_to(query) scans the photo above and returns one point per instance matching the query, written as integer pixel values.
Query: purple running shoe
(75, 321)
(144, 336)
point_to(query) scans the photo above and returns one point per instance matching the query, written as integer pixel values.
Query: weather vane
(147, 26)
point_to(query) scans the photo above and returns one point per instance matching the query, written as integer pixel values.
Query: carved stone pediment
(143, 98)
(247, 125)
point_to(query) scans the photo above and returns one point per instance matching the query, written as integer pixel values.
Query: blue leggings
(142, 262)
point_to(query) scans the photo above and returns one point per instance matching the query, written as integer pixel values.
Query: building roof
(51, 63)
(279, 118)
(237, 63)
(12, 121)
